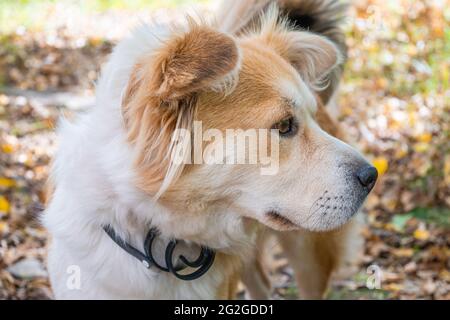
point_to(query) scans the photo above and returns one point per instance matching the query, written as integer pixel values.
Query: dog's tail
(323, 17)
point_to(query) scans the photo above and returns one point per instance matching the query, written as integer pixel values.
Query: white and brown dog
(114, 170)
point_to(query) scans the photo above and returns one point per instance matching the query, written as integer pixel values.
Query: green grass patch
(358, 294)
(291, 292)
(438, 216)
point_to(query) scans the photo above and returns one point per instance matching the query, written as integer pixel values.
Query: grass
(360, 293)
(438, 216)
(33, 14)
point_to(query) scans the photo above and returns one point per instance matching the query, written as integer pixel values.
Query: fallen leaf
(410, 267)
(346, 111)
(4, 100)
(28, 268)
(421, 234)
(7, 183)
(421, 147)
(4, 227)
(399, 221)
(429, 286)
(400, 153)
(393, 287)
(381, 164)
(447, 170)
(403, 252)
(4, 205)
(425, 137)
(7, 148)
(445, 275)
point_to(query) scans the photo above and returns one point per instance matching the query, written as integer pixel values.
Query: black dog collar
(203, 262)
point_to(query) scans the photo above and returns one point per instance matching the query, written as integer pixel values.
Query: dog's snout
(367, 176)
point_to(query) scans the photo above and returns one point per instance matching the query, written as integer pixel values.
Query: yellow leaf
(381, 83)
(7, 148)
(29, 161)
(425, 137)
(421, 147)
(7, 183)
(421, 234)
(347, 111)
(401, 153)
(4, 205)
(393, 287)
(403, 252)
(381, 164)
(438, 31)
(412, 119)
(95, 41)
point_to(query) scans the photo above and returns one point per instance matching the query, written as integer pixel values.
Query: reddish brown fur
(162, 89)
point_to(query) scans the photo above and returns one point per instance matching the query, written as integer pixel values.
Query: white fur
(93, 176)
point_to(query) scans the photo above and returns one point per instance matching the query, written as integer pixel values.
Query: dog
(128, 222)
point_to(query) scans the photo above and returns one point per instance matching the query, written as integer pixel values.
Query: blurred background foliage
(394, 103)
(34, 14)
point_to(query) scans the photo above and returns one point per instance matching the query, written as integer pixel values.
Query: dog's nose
(367, 176)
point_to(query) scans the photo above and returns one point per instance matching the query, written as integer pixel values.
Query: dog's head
(262, 80)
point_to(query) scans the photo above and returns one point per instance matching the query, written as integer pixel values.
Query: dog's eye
(286, 127)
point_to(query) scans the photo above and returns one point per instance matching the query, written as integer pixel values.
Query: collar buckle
(202, 263)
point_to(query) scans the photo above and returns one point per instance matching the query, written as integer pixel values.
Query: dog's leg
(256, 280)
(228, 288)
(254, 275)
(313, 259)
(315, 256)
(231, 270)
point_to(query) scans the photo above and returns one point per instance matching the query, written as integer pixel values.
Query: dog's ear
(314, 56)
(161, 93)
(200, 58)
